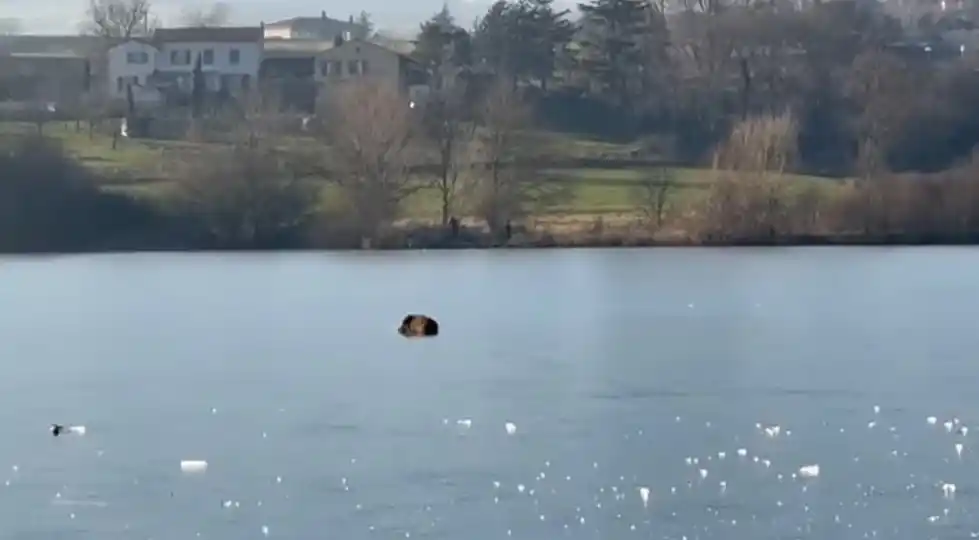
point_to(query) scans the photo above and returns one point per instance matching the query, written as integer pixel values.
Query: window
(208, 57)
(137, 57)
(353, 67)
(325, 68)
(120, 84)
(363, 67)
(234, 57)
(180, 58)
(335, 68)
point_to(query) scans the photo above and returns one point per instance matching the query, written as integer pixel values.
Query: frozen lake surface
(604, 394)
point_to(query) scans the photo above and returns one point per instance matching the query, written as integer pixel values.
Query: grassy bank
(72, 190)
(582, 194)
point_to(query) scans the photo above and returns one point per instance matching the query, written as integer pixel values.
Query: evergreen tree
(441, 45)
(612, 51)
(365, 27)
(493, 37)
(547, 34)
(198, 89)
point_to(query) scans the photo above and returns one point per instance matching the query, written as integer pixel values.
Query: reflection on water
(579, 394)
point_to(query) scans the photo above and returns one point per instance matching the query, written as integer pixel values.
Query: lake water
(620, 369)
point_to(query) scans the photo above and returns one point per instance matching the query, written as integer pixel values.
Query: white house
(230, 59)
(132, 62)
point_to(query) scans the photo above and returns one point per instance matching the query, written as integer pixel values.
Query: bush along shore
(254, 195)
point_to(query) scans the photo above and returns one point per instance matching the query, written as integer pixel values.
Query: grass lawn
(131, 160)
(146, 168)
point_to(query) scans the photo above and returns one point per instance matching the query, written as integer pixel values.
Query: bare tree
(749, 198)
(504, 185)
(450, 132)
(218, 14)
(119, 18)
(653, 193)
(246, 199)
(373, 136)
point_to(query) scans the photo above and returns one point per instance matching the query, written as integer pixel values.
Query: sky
(64, 16)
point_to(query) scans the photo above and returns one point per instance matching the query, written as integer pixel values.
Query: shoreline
(553, 244)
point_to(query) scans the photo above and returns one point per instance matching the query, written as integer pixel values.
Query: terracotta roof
(240, 34)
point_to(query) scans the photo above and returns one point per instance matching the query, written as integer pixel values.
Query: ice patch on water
(948, 490)
(193, 466)
(58, 501)
(809, 471)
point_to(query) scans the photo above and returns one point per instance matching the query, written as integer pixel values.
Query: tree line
(862, 94)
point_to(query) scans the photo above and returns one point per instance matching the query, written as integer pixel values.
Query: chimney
(351, 20)
(323, 15)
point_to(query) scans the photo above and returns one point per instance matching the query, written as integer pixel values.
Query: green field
(148, 167)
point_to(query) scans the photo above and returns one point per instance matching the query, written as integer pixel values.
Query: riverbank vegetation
(674, 143)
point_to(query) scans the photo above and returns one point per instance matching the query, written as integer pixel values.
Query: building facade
(230, 59)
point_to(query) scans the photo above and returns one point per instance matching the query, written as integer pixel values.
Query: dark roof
(239, 34)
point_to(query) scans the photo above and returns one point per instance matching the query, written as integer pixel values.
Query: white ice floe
(742, 452)
(773, 431)
(58, 501)
(193, 465)
(265, 530)
(958, 449)
(876, 409)
(703, 473)
(511, 428)
(77, 430)
(644, 495)
(809, 471)
(949, 425)
(932, 420)
(948, 490)
(465, 423)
